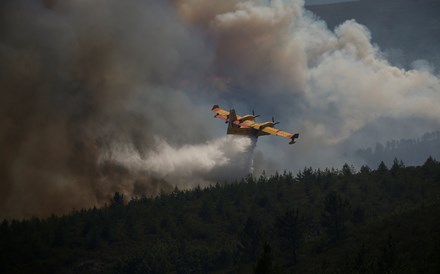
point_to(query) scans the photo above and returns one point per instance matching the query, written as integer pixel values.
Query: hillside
(318, 221)
(410, 151)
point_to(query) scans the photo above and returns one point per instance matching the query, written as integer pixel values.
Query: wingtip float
(246, 125)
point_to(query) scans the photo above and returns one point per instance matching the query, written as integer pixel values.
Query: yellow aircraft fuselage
(246, 125)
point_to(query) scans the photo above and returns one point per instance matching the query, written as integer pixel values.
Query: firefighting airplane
(246, 125)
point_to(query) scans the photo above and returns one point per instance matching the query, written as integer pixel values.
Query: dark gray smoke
(104, 96)
(80, 79)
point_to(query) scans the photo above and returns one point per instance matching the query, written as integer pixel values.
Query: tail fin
(294, 137)
(232, 118)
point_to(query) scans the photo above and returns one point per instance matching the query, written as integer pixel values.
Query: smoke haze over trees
(92, 91)
(410, 151)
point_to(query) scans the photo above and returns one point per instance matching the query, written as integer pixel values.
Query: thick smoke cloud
(79, 78)
(330, 85)
(104, 96)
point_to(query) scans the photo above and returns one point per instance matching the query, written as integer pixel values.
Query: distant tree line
(411, 151)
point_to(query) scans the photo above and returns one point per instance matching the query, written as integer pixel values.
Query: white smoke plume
(221, 160)
(104, 96)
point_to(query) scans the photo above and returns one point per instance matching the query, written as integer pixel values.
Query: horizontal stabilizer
(294, 137)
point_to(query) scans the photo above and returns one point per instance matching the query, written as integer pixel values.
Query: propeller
(253, 114)
(273, 121)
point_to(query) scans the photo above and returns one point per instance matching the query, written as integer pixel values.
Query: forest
(382, 220)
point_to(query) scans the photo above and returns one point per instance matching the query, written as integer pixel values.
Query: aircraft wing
(249, 123)
(278, 132)
(223, 114)
(281, 133)
(271, 130)
(220, 113)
